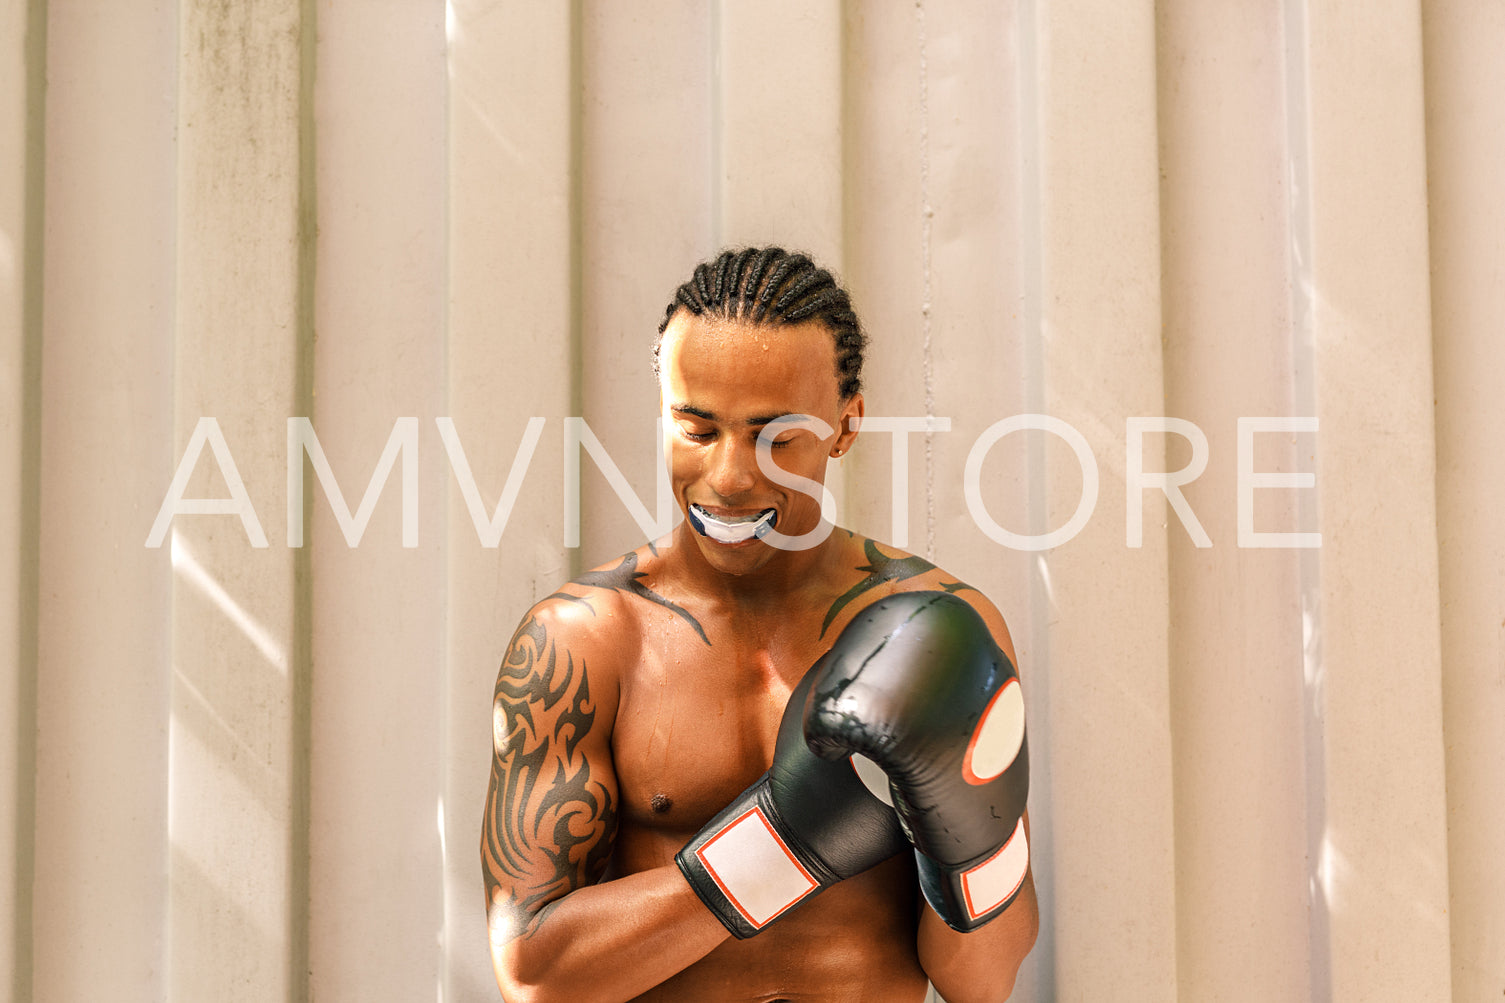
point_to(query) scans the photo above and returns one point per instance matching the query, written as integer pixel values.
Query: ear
(851, 421)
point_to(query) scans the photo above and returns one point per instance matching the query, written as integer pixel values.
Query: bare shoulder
(623, 595)
(593, 613)
(555, 649)
(883, 570)
(562, 670)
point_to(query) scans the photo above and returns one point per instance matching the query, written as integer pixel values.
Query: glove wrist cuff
(967, 896)
(743, 869)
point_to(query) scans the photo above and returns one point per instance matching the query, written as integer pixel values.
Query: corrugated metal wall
(256, 773)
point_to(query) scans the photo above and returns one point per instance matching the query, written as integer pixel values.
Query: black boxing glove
(804, 825)
(916, 685)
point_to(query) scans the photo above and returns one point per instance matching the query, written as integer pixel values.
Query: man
(637, 704)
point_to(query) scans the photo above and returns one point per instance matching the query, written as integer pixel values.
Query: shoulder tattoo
(549, 824)
(881, 570)
(624, 578)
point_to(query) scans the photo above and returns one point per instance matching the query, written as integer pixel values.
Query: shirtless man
(644, 697)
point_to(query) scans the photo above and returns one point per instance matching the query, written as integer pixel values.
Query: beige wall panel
(883, 256)
(645, 220)
(103, 676)
(777, 172)
(376, 904)
(231, 802)
(511, 357)
(1465, 79)
(1109, 749)
(19, 279)
(1237, 694)
(1384, 853)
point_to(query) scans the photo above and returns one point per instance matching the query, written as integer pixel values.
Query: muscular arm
(551, 812)
(981, 965)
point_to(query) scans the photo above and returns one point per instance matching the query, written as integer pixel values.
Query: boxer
(762, 758)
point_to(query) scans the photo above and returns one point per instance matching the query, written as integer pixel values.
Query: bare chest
(696, 724)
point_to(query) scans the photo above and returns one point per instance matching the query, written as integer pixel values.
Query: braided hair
(773, 287)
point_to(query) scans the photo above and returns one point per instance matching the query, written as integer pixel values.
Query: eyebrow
(704, 415)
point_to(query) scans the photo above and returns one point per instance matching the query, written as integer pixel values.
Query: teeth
(734, 520)
(734, 529)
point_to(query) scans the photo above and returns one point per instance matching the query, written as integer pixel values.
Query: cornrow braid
(774, 287)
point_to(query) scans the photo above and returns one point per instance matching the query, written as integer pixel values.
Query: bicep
(551, 808)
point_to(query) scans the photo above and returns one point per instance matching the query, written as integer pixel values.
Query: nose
(733, 467)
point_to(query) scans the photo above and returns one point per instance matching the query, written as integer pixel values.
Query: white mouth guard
(731, 532)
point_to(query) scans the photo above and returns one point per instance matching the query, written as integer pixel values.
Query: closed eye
(767, 433)
(787, 427)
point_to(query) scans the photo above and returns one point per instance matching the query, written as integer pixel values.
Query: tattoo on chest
(549, 824)
(881, 570)
(624, 578)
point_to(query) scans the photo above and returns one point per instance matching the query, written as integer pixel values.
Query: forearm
(981, 965)
(610, 941)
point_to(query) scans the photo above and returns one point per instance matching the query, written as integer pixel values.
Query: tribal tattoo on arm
(550, 817)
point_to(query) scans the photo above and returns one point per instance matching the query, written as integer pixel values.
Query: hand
(804, 825)
(916, 685)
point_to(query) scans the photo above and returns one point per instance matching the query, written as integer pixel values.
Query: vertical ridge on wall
(1465, 120)
(576, 210)
(1296, 55)
(22, 205)
(445, 683)
(236, 339)
(717, 39)
(927, 292)
(300, 653)
(1044, 961)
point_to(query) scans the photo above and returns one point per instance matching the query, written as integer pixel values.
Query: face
(723, 383)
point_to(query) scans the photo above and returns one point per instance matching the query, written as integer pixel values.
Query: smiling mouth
(736, 529)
